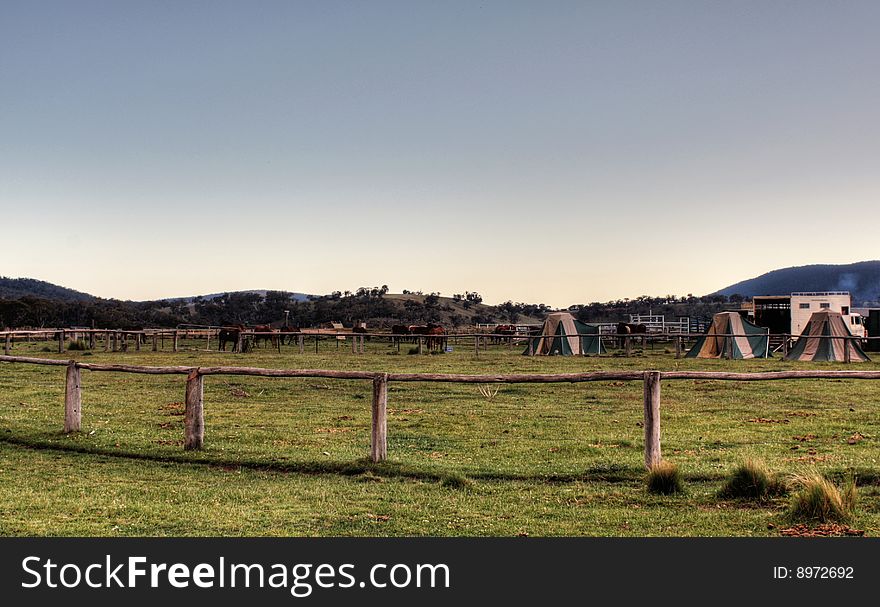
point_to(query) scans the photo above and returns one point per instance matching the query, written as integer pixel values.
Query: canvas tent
(751, 341)
(811, 345)
(562, 334)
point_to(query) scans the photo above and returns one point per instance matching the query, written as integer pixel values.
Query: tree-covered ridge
(861, 279)
(14, 288)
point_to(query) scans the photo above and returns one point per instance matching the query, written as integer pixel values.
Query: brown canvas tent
(564, 335)
(751, 341)
(817, 342)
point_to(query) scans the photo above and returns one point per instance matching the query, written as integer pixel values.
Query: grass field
(288, 456)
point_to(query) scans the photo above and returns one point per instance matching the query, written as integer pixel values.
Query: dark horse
(625, 328)
(503, 333)
(230, 333)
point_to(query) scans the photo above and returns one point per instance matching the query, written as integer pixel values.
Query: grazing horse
(229, 333)
(288, 333)
(625, 328)
(272, 339)
(436, 337)
(503, 332)
(398, 331)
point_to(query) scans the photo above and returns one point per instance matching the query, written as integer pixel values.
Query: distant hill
(15, 288)
(261, 292)
(862, 279)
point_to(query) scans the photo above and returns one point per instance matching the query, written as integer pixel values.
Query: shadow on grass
(607, 473)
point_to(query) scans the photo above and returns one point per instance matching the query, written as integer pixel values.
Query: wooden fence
(194, 420)
(117, 340)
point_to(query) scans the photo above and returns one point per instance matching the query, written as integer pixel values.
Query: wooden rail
(194, 433)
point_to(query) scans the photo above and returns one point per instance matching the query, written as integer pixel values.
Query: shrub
(664, 478)
(752, 480)
(77, 345)
(819, 500)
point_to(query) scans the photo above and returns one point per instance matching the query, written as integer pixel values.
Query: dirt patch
(855, 438)
(800, 414)
(805, 438)
(824, 530)
(764, 420)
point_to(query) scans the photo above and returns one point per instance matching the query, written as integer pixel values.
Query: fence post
(175, 340)
(72, 399)
(628, 346)
(8, 344)
(300, 340)
(847, 357)
(92, 338)
(678, 346)
(652, 418)
(137, 342)
(61, 341)
(194, 414)
(155, 343)
(785, 345)
(106, 341)
(420, 344)
(379, 434)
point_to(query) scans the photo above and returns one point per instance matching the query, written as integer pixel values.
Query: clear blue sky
(558, 152)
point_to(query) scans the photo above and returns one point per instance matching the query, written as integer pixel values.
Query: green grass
(819, 500)
(289, 456)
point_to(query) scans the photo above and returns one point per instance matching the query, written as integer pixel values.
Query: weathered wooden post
(627, 346)
(301, 342)
(476, 346)
(106, 341)
(785, 345)
(155, 343)
(61, 341)
(124, 342)
(176, 338)
(8, 343)
(72, 399)
(678, 346)
(353, 343)
(379, 434)
(363, 346)
(420, 344)
(278, 341)
(194, 413)
(92, 339)
(137, 342)
(652, 418)
(847, 356)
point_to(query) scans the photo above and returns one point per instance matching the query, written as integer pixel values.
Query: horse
(625, 328)
(398, 331)
(272, 339)
(229, 333)
(503, 332)
(288, 332)
(436, 339)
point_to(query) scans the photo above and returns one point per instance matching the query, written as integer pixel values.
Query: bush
(819, 500)
(77, 345)
(664, 478)
(752, 480)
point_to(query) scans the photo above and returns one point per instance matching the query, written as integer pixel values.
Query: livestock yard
(291, 456)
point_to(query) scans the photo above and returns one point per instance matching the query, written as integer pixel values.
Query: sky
(553, 152)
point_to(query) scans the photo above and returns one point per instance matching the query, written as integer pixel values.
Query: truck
(791, 313)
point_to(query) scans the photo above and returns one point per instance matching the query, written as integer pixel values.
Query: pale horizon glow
(557, 153)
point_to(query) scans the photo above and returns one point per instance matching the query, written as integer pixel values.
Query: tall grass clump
(819, 500)
(664, 478)
(77, 345)
(751, 480)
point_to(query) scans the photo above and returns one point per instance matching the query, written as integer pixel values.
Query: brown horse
(436, 338)
(625, 328)
(288, 332)
(272, 339)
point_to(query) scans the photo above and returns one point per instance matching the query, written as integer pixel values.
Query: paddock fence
(194, 420)
(125, 340)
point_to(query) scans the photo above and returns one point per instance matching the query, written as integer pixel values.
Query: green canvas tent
(562, 334)
(752, 341)
(817, 343)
